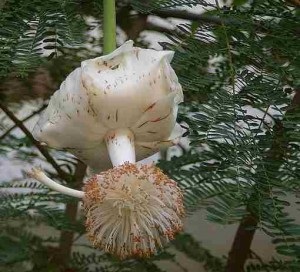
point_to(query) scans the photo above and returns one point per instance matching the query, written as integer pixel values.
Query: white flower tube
(120, 146)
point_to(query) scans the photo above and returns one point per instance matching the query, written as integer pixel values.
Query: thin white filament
(41, 177)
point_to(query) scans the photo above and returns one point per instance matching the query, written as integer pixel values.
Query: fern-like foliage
(244, 128)
(146, 6)
(30, 29)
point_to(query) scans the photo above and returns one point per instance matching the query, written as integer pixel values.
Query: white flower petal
(112, 92)
(157, 121)
(146, 149)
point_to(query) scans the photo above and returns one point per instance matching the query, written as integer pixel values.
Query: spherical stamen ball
(132, 210)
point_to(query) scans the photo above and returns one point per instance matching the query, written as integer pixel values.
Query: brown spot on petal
(165, 141)
(160, 118)
(143, 124)
(137, 51)
(150, 107)
(147, 147)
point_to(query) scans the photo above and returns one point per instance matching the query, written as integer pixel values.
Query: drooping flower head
(132, 210)
(131, 88)
(112, 111)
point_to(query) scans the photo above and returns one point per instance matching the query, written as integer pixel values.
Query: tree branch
(132, 25)
(157, 28)
(295, 3)
(202, 18)
(37, 144)
(240, 249)
(182, 14)
(67, 236)
(23, 120)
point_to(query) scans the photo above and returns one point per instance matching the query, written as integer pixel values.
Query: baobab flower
(131, 88)
(110, 111)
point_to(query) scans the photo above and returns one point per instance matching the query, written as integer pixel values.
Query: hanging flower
(131, 88)
(132, 210)
(109, 112)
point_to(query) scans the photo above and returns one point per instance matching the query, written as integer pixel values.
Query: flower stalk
(109, 26)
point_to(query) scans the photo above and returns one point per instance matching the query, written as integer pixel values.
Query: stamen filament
(41, 177)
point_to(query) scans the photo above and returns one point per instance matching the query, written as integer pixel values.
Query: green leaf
(12, 251)
(239, 2)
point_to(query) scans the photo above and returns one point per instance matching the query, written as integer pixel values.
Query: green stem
(109, 26)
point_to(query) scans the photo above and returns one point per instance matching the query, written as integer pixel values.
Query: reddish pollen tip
(132, 210)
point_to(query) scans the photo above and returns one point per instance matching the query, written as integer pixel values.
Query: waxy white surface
(120, 146)
(131, 88)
